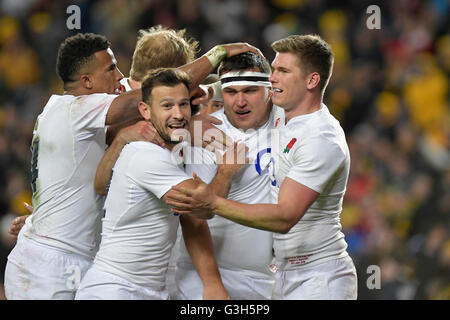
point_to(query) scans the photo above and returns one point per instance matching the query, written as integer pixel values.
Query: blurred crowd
(389, 90)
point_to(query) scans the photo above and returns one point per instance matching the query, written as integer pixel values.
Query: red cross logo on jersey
(277, 121)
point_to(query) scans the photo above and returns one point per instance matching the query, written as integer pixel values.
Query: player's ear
(144, 110)
(86, 81)
(313, 80)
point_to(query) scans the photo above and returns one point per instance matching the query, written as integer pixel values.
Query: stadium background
(390, 91)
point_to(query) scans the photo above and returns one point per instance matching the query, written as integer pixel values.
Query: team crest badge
(290, 145)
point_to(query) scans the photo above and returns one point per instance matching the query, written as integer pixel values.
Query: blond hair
(159, 47)
(314, 55)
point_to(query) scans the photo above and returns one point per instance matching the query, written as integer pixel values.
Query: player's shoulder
(148, 151)
(57, 99)
(55, 102)
(88, 101)
(141, 156)
(93, 97)
(145, 147)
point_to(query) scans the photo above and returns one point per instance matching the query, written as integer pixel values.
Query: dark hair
(76, 51)
(169, 77)
(244, 61)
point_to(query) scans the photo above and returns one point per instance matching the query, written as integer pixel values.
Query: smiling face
(288, 81)
(169, 110)
(106, 75)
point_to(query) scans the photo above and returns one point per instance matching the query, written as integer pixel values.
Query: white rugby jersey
(138, 228)
(68, 143)
(313, 151)
(238, 247)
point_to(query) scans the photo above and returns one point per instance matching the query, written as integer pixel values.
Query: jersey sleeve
(203, 164)
(315, 162)
(89, 111)
(156, 171)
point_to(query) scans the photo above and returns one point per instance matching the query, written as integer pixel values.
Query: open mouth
(175, 126)
(242, 113)
(277, 90)
(178, 131)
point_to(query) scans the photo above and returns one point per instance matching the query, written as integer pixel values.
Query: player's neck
(77, 91)
(306, 106)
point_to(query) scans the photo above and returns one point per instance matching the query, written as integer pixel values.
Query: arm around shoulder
(124, 107)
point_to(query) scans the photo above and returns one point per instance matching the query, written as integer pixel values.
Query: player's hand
(205, 134)
(233, 160)
(176, 200)
(201, 95)
(141, 131)
(240, 47)
(192, 201)
(215, 292)
(16, 226)
(28, 207)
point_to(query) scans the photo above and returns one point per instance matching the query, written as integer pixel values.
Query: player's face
(246, 106)
(106, 77)
(170, 110)
(288, 81)
(211, 107)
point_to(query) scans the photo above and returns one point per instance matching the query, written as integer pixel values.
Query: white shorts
(100, 285)
(332, 280)
(36, 271)
(238, 285)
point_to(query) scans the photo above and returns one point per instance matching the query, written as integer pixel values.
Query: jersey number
(262, 171)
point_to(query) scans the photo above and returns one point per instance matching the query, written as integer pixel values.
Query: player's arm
(220, 182)
(198, 242)
(124, 107)
(114, 129)
(293, 201)
(142, 130)
(200, 247)
(199, 212)
(18, 223)
(227, 168)
(203, 66)
(312, 165)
